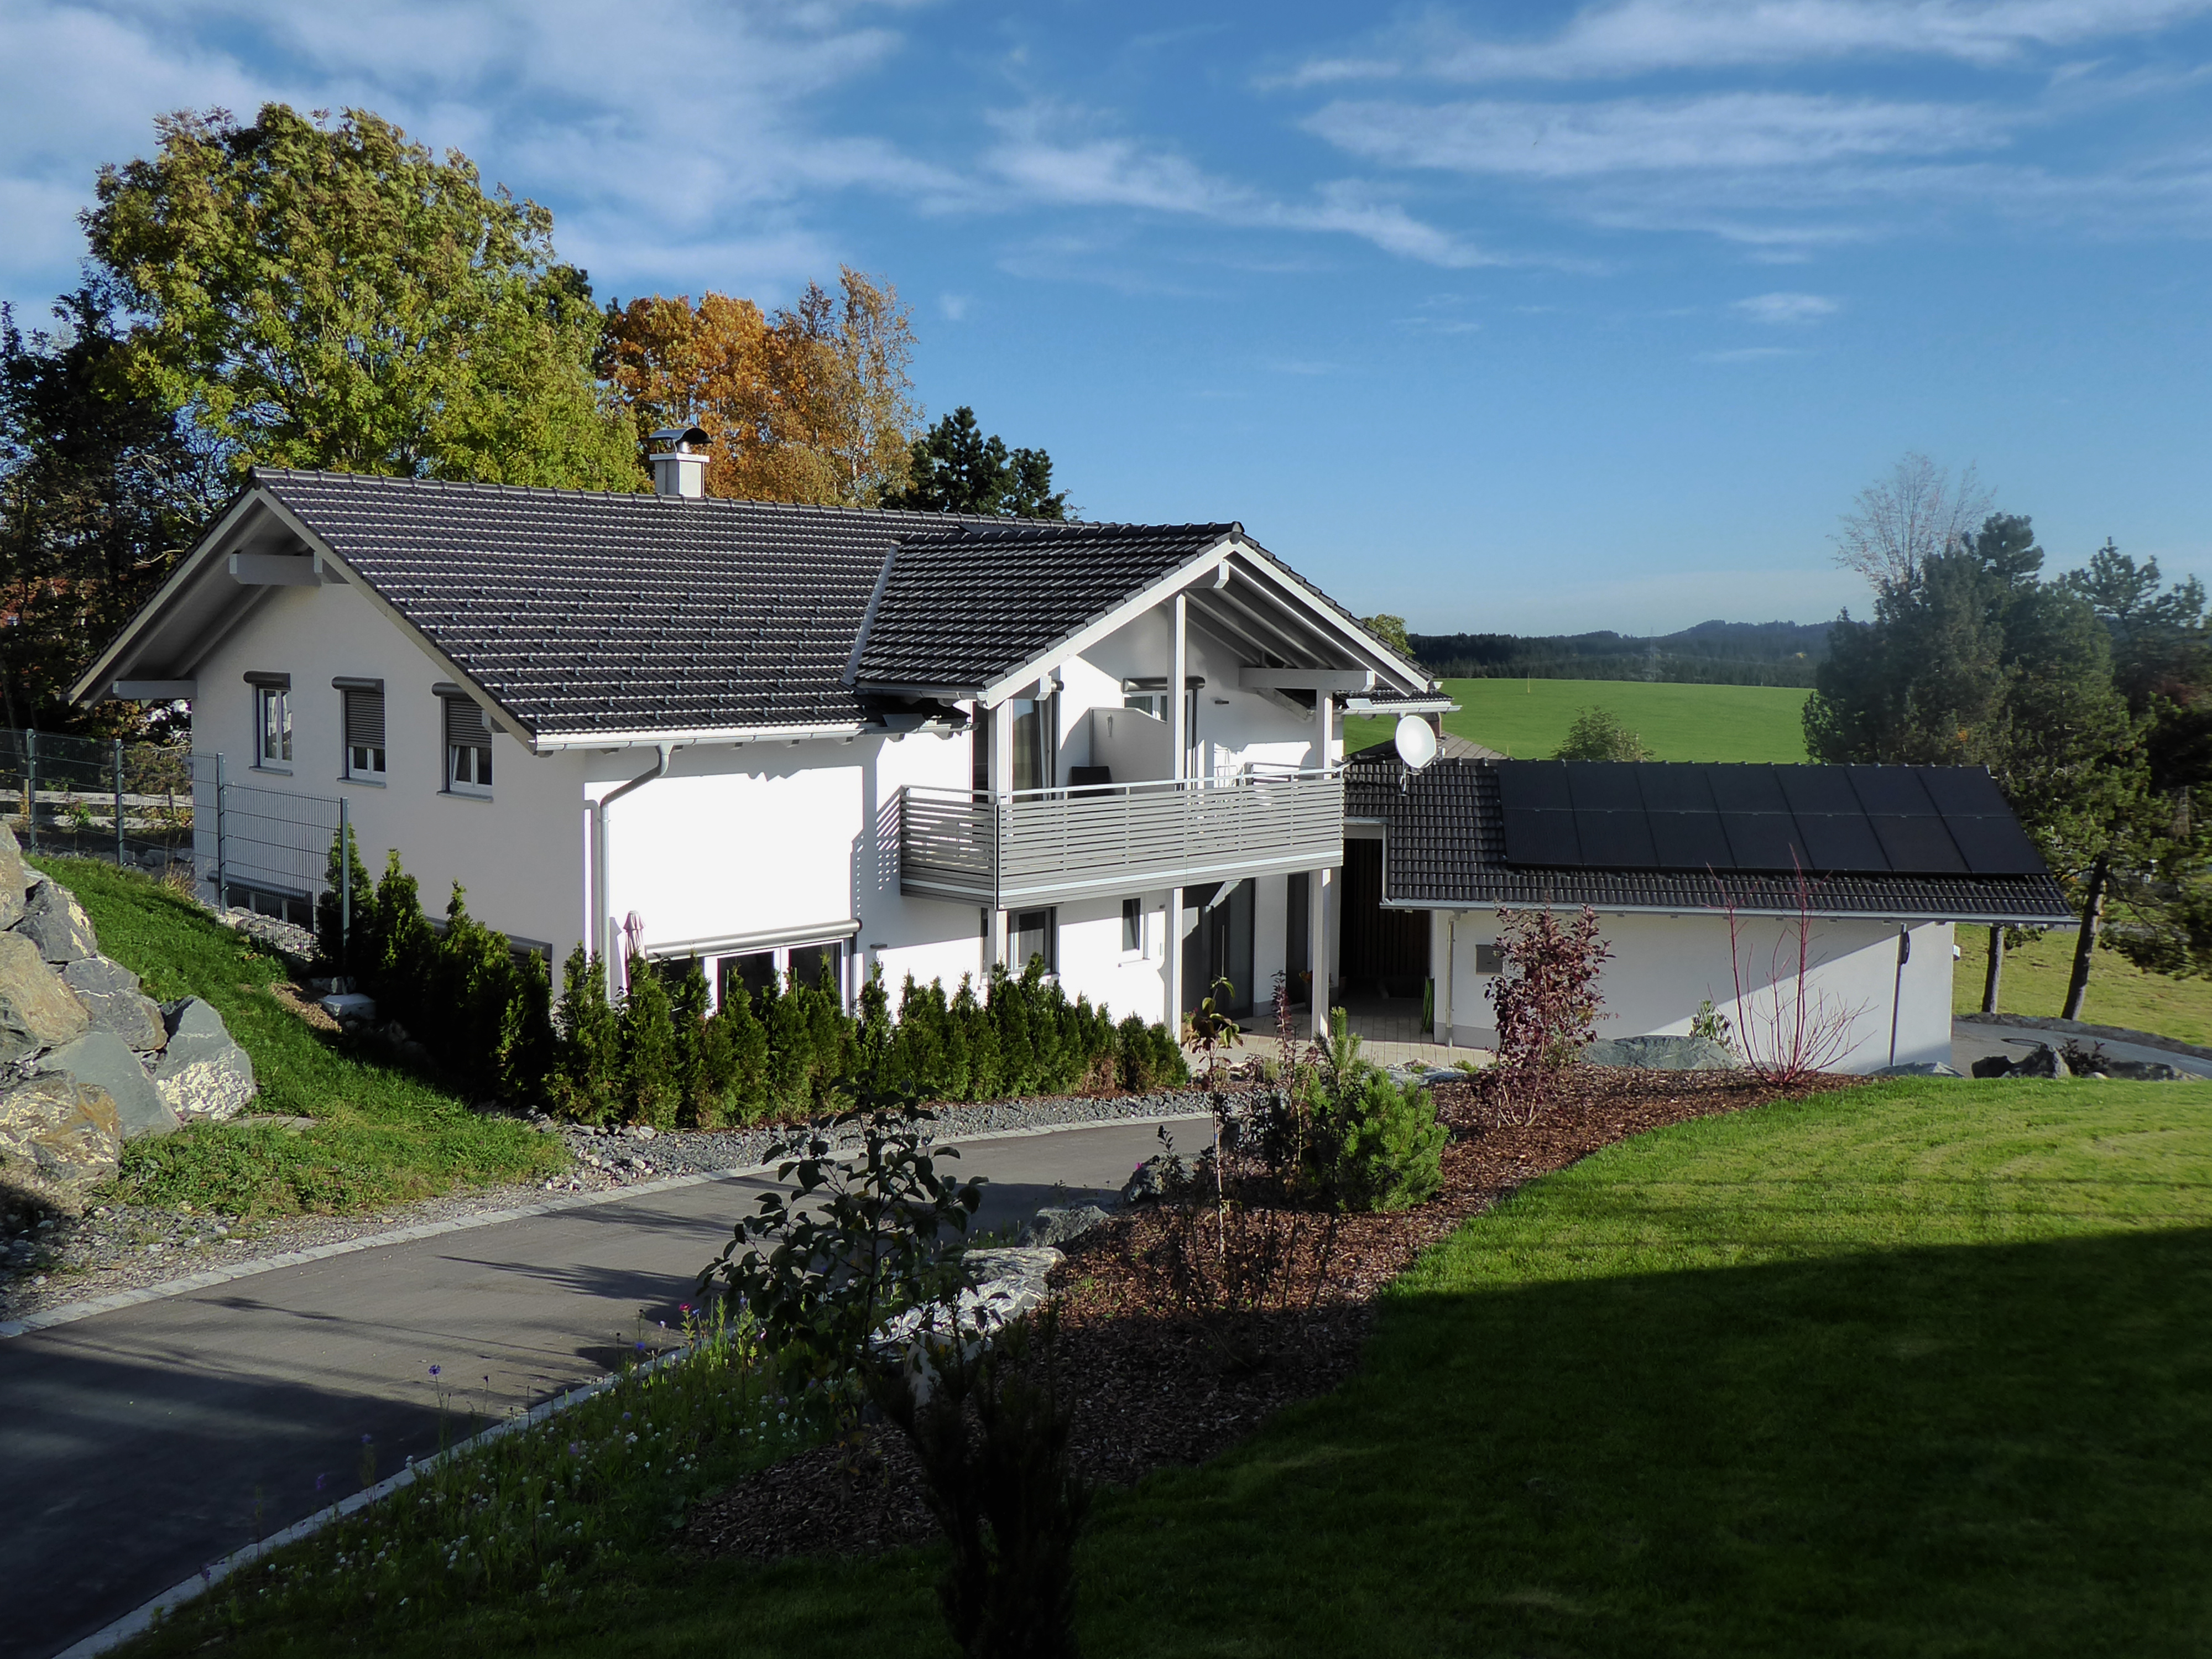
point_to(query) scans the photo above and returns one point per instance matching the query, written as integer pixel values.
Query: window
(468, 748)
(363, 714)
(1133, 927)
(272, 720)
(810, 963)
(1036, 741)
(755, 971)
(1034, 933)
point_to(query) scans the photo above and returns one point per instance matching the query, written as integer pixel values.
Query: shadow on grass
(1977, 1449)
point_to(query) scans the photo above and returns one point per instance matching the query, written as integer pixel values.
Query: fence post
(31, 784)
(118, 802)
(221, 846)
(345, 887)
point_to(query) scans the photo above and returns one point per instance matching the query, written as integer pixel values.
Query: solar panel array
(1909, 820)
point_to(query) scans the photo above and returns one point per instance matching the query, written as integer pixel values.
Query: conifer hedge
(664, 1056)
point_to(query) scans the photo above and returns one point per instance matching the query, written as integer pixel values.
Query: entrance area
(1220, 945)
(1385, 953)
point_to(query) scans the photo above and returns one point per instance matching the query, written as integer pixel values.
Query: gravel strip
(46, 1264)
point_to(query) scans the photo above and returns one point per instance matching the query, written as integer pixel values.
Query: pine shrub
(347, 946)
(686, 984)
(588, 1054)
(737, 1029)
(646, 1029)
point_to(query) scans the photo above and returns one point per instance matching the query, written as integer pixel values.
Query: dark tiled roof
(583, 612)
(962, 609)
(1372, 775)
(1445, 848)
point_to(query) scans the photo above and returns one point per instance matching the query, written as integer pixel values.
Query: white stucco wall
(1664, 967)
(518, 854)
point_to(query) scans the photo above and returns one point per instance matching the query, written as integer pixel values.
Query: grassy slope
(2120, 993)
(381, 1135)
(1921, 1369)
(1528, 718)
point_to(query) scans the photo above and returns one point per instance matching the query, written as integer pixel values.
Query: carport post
(222, 841)
(1897, 991)
(1990, 985)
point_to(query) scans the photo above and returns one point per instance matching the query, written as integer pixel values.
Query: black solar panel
(1746, 789)
(1533, 783)
(1994, 846)
(1842, 842)
(1535, 834)
(1689, 841)
(1964, 792)
(1891, 790)
(1615, 840)
(1675, 788)
(1854, 820)
(1603, 787)
(1764, 841)
(1920, 846)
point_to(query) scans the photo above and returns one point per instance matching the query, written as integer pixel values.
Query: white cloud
(1642, 37)
(1045, 161)
(1786, 308)
(1723, 130)
(953, 307)
(1748, 354)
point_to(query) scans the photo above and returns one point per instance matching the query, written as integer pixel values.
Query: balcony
(1051, 846)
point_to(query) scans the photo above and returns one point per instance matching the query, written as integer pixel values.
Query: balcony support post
(1318, 952)
(1178, 748)
(1002, 789)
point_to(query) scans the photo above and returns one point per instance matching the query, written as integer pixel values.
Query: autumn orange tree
(809, 404)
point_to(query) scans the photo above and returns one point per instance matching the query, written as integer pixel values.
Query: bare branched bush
(1788, 1029)
(1897, 523)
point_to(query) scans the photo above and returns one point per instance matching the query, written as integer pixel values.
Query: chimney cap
(684, 437)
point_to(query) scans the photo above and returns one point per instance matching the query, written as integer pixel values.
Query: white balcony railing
(1049, 846)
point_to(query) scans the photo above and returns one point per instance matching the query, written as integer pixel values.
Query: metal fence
(174, 812)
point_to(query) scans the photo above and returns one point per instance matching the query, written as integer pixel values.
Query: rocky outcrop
(88, 1059)
(203, 1073)
(99, 1060)
(111, 995)
(37, 1011)
(55, 922)
(68, 1131)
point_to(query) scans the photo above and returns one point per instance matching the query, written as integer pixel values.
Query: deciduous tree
(808, 404)
(325, 293)
(100, 489)
(1898, 523)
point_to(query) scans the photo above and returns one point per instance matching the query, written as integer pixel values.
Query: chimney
(679, 462)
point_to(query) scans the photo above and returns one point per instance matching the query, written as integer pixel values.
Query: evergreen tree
(360, 924)
(736, 1028)
(406, 948)
(648, 1030)
(956, 469)
(688, 998)
(587, 1077)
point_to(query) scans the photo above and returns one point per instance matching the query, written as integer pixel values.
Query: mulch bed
(1158, 1386)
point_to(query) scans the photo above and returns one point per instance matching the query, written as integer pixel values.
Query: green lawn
(381, 1135)
(1528, 718)
(1920, 1369)
(2120, 993)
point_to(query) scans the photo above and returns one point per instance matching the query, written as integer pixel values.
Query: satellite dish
(1416, 741)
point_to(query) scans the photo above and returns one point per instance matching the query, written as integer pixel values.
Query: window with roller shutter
(364, 717)
(468, 746)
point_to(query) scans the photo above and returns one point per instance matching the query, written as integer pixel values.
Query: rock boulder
(204, 1074)
(56, 924)
(100, 1059)
(13, 878)
(110, 996)
(37, 1010)
(67, 1131)
(1660, 1054)
(1055, 1227)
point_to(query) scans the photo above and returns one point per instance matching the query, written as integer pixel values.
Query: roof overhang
(1236, 592)
(1477, 907)
(1360, 703)
(256, 547)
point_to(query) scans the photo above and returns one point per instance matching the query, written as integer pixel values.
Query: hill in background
(1711, 654)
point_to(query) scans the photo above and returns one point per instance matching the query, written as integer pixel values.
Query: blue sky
(1507, 318)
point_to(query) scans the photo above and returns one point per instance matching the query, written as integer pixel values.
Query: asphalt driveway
(138, 1445)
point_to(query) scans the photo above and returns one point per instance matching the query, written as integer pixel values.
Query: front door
(1220, 946)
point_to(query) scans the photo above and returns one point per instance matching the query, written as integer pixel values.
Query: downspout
(601, 944)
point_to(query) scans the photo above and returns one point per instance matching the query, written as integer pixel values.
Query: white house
(1707, 880)
(776, 736)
